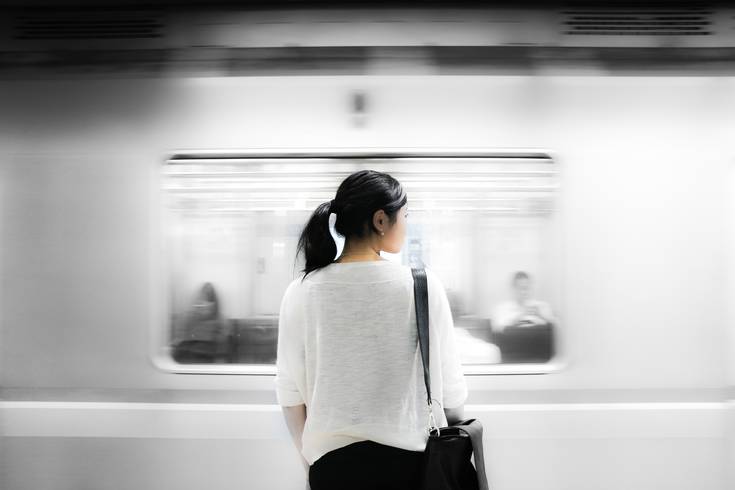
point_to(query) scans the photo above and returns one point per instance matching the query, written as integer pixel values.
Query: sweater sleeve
(290, 351)
(454, 386)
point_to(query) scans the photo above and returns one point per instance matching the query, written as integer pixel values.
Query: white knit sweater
(347, 348)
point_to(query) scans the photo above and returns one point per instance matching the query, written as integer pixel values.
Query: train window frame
(159, 341)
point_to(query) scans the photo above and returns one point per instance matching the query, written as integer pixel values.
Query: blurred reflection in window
(477, 219)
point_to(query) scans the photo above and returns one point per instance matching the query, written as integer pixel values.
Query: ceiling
(292, 4)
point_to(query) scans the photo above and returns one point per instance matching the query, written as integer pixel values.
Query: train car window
(487, 223)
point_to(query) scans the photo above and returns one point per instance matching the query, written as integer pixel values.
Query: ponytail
(316, 242)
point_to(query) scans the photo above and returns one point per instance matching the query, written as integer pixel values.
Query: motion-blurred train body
(157, 167)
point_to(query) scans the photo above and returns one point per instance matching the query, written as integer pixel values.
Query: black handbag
(446, 463)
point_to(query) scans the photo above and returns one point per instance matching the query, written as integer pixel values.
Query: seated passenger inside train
(523, 327)
(204, 333)
(522, 310)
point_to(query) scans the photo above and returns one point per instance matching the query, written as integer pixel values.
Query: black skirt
(366, 465)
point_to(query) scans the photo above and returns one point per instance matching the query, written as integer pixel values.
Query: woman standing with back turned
(350, 378)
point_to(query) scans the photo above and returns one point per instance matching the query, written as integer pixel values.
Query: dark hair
(519, 275)
(358, 197)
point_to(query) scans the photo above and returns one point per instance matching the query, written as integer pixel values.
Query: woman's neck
(359, 252)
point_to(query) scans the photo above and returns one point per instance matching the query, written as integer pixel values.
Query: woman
(349, 372)
(204, 336)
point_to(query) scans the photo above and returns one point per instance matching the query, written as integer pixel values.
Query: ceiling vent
(638, 22)
(87, 25)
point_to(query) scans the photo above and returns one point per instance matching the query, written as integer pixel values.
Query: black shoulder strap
(421, 298)
(471, 427)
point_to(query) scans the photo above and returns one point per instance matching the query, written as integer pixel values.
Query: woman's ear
(379, 218)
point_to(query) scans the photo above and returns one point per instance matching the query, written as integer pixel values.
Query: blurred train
(157, 165)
